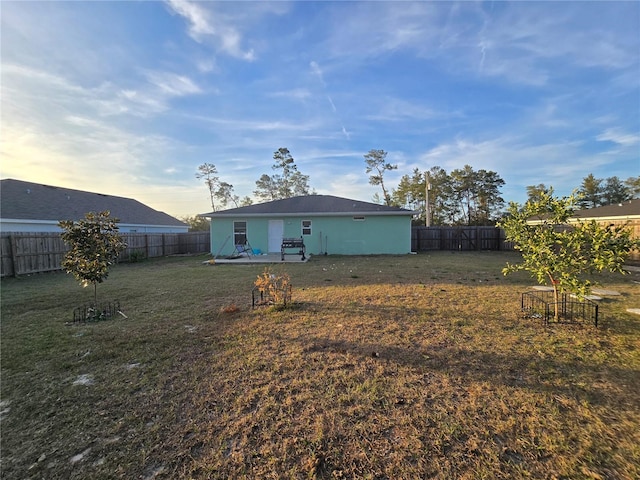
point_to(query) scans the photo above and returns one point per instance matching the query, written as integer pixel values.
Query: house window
(306, 227)
(358, 219)
(239, 233)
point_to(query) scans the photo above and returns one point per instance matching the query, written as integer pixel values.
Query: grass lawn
(390, 367)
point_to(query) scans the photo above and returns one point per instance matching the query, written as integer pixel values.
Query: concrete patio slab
(542, 288)
(602, 291)
(254, 259)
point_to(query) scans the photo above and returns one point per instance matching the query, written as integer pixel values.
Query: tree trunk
(554, 284)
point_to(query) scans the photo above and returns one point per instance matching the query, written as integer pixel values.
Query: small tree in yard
(94, 245)
(561, 252)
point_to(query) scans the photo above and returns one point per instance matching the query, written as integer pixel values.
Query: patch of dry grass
(383, 367)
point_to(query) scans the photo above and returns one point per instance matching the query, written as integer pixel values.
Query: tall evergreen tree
(614, 191)
(590, 192)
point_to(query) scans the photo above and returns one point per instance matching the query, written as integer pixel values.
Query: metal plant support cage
(261, 298)
(541, 304)
(88, 313)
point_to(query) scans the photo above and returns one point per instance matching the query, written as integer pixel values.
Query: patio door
(276, 231)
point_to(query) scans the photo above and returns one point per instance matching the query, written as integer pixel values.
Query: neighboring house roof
(310, 205)
(33, 201)
(627, 210)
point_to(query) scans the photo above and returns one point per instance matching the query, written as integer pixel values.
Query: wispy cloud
(172, 84)
(521, 162)
(393, 109)
(620, 137)
(512, 41)
(316, 70)
(296, 94)
(207, 26)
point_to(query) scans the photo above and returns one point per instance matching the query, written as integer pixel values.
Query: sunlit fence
(27, 253)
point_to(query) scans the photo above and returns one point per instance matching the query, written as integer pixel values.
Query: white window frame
(307, 227)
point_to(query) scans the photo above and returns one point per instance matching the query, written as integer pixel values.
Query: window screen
(239, 233)
(306, 227)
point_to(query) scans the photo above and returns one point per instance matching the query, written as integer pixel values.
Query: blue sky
(128, 98)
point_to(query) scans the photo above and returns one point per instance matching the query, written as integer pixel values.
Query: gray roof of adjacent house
(630, 208)
(33, 201)
(310, 205)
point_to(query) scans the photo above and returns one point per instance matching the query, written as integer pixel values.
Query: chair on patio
(242, 246)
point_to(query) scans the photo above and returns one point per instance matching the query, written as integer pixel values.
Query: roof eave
(307, 214)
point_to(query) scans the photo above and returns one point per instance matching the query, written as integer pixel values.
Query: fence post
(14, 255)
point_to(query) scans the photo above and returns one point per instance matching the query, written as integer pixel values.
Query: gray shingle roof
(311, 205)
(625, 209)
(33, 201)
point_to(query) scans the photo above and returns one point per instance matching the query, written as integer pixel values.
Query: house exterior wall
(339, 235)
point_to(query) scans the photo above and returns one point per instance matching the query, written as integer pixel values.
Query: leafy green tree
(376, 162)
(94, 245)
(614, 191)
(289, 183)
(590, 192)
(559, 251)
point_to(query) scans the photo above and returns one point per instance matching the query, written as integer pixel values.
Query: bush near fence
(27, 253)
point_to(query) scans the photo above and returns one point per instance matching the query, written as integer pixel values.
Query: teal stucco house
(326, 224)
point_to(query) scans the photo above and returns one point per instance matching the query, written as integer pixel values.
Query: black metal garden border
(541, 304)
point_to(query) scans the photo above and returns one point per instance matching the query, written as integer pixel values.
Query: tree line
(463, 196)
(466, 196)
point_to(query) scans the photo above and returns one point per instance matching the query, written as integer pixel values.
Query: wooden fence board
(458, 238)
(26, 253)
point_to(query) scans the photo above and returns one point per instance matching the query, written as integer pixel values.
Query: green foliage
(137, 256)
(633, 186)
(590, 192)
(197, 224)
(558, 251)
(464, 197)
(94, 245)
(475, 195)
(595, 192)
(289, 183)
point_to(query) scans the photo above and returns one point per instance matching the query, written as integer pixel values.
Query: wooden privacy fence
(458, 238)
(26, 253)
